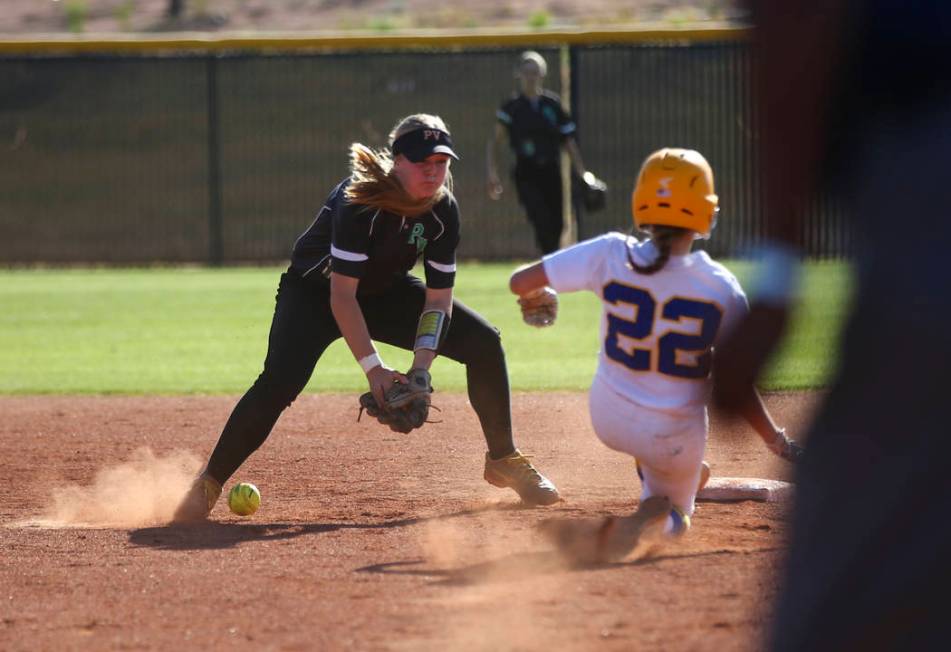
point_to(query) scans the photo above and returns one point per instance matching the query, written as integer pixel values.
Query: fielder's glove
(786, 448)
(594, 193)
(406, 404)
(539, 307)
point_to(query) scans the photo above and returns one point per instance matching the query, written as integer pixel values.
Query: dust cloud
(145, 490)
(454, 547)
(498, 579)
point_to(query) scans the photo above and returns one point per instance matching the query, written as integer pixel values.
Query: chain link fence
(223, 156)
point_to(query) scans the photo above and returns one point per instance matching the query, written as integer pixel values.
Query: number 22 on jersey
(646, 319)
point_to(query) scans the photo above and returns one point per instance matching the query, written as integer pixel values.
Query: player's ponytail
(663, 238)
(372, 182)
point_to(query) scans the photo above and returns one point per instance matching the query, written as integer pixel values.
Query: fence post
(215, 227)
(569, 232)
(574, 76)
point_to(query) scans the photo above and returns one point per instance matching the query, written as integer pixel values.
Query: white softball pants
(668, 447)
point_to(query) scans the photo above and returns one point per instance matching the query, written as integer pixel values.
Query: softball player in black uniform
(349, 276)
(537, 127)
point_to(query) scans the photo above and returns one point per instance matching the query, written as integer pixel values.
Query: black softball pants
(304, 326)
(539, 192)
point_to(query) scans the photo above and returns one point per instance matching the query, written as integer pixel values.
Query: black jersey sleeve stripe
(350, 239)
(442, 267)
(349, 268)
(348, 263)
(343, 254)
(439, 280)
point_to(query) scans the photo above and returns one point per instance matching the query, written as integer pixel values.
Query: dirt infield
(365, 540)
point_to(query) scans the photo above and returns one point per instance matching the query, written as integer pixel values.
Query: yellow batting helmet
(675, 188)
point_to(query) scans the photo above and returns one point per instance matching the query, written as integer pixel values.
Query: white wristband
(372, 360)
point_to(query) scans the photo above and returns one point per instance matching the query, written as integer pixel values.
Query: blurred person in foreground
(856, 99)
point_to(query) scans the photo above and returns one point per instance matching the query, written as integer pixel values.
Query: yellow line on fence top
(421, 39)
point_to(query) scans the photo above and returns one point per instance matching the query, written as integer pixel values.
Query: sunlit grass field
(204, 331)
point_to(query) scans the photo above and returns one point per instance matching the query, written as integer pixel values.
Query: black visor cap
(420, 144)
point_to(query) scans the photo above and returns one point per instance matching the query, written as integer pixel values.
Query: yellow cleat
(198, 502)
(516, 472)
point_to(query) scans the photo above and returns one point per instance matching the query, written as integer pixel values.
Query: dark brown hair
(662, 237)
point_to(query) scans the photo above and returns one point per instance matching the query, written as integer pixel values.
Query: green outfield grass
(185, 331)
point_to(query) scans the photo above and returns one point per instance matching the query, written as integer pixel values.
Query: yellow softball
(244, 499)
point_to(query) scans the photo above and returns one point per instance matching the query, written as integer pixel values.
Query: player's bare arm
(574, 154)
(539, 303)
(406, 405)
(353, 327)
(755, 413)
(493, 183)
(528, 278)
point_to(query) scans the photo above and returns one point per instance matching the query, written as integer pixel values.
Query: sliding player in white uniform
(663, 311)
